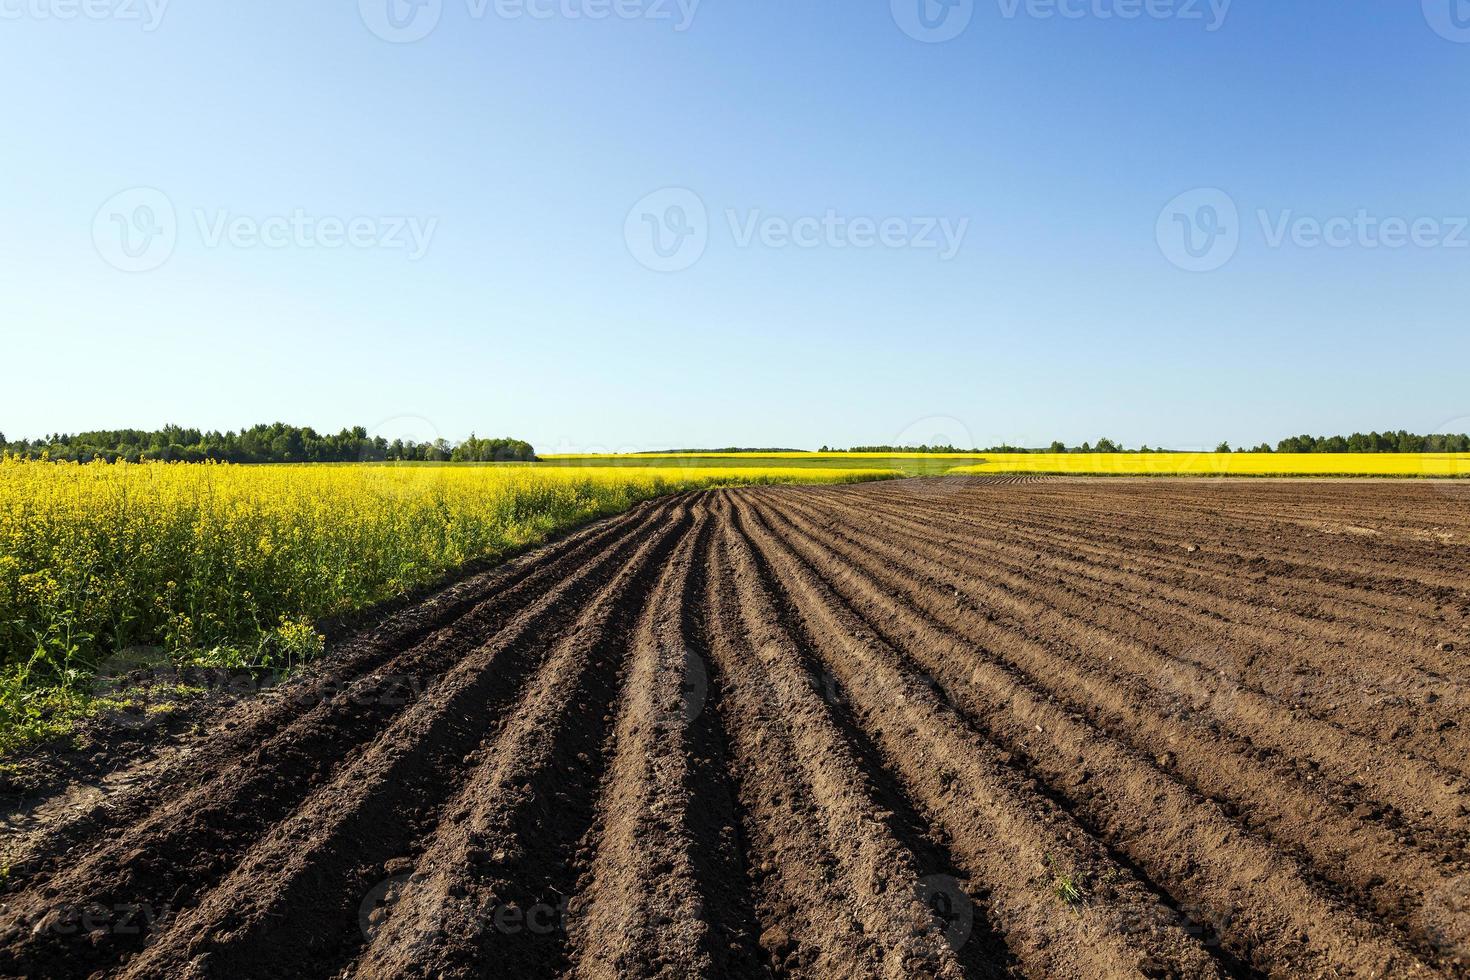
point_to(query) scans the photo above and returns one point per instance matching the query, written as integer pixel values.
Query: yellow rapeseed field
(230, 565)
(1409, 465)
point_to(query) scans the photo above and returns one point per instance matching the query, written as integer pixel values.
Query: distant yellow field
(1227, 464)
(1411, 465)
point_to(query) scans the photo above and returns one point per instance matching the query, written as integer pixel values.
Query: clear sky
(217, 214)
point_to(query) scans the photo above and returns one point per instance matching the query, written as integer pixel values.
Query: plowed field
(935, 728)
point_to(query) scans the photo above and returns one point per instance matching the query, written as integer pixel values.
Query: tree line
(1372, 442)
(276, 443)
(1376, 442)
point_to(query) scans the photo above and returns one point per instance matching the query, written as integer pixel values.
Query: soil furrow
(981, 950)
(985, 588)
(1411, 785)
(287, 902)
(495, 879)
(667, 892)
(178, 851)
(641, 913)
(1233, 591)
(1361, 857)
(467, 607)
(1155, 536)
(1266, 910)
(720, 853)
(1028, 855)
(1153, 520)
(837, 894)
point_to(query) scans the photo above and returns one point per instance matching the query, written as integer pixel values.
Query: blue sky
(452, 233)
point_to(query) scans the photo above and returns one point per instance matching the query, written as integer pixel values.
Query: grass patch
(1067, 887)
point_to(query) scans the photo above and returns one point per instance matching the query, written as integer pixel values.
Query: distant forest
(1358, 442)
(281, 443)
(278, 443)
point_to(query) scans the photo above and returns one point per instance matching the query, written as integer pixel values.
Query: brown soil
(943, 728)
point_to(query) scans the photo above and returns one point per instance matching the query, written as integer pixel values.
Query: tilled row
(948, 728)
(1379, 670)
(1263, 795)
(152, 854)
(1037, 704)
